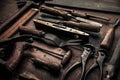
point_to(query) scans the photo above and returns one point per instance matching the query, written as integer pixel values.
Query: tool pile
(47, 45)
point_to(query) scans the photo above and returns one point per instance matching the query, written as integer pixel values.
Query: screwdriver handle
(82, 26)
(54, 11)
(25, 29)
(107, 41)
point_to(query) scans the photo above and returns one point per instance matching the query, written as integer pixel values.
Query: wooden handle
(82, 26)
(54, 11)
(107, 41)
(26, 30)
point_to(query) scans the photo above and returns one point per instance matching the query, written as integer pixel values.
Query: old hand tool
(48, 38)
(21, 21)
(60, 30)
(67, 15)
(98, 63)
(109, 36)
(82, 14)
(88, 51)
(63, 57)
(28, 76)
(113, 63)
(81, 26)
(43, 58)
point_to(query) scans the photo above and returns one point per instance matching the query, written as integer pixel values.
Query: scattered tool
(63, 57)
(114, 61)
(105, 44)
(44, 59)
(81, 26)
(107, 41)
(88, 51)
(82, 14)
(12, 29)
(98, 63)
(60, 30)
(50, 39)
(67, 15)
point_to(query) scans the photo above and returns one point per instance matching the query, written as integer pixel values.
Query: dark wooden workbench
(26, 65)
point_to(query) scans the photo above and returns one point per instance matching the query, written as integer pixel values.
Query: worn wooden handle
(26, 30)
(82, 26)
(107, 41)
(54, 11)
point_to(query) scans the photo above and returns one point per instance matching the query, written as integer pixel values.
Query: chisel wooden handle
(54, 11)
(54, 67)
(107, 41)
(25, 29)
(82, 26)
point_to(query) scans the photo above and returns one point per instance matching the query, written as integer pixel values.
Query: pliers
(88, 51)
(98, 63)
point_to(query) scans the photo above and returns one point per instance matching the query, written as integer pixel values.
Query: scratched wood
(26, 64)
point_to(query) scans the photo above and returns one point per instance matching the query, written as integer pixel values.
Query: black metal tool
(98, 63)
(113, 63)
(61, 30)
(88, 51)
(27, 38)
(50, 39)
(79, 25)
